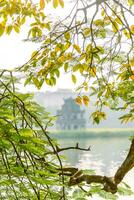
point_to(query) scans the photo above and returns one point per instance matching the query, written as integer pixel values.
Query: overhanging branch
(110, 184)
(75, 147)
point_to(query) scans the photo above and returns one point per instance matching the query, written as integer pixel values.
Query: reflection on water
(105, 156)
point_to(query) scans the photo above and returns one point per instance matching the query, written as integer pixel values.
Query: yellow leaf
(118, 20)
(41, 72)
(34, 54)
(16, 28)
(132, 62)
(98, 22)
(132, 29)
(78, 100)
(74, 78)
(61, 3)
(107, 18)
(103, 12)
(126, 33)
(36, 82)
(86, 32)
(66, 67)
(86, 89)
(69, 55)
(77, 48)
(57, 49)
(102, 115)
(85, 100)
(23, 20)
(132, 77)
(131, 2)
(85, 66)
(67, 45)
(126, 65)
(9, 29)
(48, 81)
(67, 35)
(82, 57)
(55, 3)
(42, 4)
(85, 86)
(115, 27)
(93, 71)
(61, 59)
(88, 48)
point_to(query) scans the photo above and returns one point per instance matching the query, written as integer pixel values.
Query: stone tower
(70, 116)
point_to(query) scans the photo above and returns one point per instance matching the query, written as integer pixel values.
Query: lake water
(105, 157)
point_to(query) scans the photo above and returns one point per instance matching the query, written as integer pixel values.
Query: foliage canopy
(94, 41)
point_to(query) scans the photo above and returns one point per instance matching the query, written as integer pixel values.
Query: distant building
(55, 100)
(70, 116)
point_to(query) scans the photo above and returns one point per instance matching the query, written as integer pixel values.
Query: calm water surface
(105, 156)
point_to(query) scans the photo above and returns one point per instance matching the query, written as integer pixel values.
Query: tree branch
(126, 166)
(75, 147)
(110, 184)
(58, 149)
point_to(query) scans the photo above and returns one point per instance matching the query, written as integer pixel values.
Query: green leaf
(26, 132)
(32, 148)
(53, 81)
(74, 78)
(36, 82)
(28, 80)
(57, 72)
(76, 67)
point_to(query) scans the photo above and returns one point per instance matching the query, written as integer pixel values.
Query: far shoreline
(93, 133)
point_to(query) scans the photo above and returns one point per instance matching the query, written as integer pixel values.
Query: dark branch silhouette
(110, 184)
